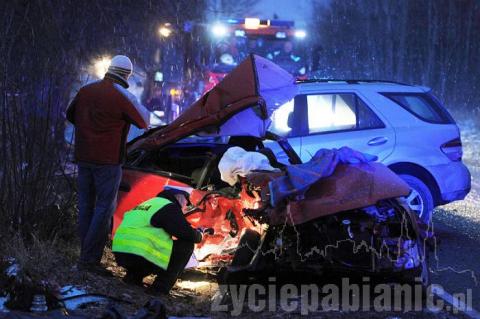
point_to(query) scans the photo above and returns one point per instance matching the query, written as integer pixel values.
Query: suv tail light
(453, 149)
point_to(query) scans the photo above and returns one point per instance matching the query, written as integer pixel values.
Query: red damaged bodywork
(254, 84)
(223, 214)
(349, 187)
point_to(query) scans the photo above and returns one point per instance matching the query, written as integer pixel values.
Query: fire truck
(233, 39)
(201, 54)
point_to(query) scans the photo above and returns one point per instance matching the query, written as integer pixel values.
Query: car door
(336, 119)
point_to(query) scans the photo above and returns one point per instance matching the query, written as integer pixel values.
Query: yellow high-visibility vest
(137, 236)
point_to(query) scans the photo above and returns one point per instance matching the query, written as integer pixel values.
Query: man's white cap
(121, 65)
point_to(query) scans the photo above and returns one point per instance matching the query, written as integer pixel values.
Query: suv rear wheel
(420, 199)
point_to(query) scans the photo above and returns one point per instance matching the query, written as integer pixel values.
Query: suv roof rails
(349, 81)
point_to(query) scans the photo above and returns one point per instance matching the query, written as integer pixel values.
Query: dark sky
(297, 10)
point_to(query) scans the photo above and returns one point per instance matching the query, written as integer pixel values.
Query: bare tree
(44, 44)
(428, 42)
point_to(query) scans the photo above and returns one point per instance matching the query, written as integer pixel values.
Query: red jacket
(102, 113)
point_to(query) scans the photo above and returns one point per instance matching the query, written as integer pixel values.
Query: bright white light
(325, 114)
(300, 34)
(227, 59)
(101, 65)
(239, 33)
(157, 118)
(158, 76)
(165, 31)
(158, 113)
(280, 35)
(219, 30)
(192, 285)
(252, 23)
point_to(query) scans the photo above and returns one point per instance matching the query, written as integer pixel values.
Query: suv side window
(339, 112)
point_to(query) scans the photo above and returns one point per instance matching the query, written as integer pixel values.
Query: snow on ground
(72, 291)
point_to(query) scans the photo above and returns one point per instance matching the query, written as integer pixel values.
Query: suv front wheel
(420, 199)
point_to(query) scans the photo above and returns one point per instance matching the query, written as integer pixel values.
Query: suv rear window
(423, 106)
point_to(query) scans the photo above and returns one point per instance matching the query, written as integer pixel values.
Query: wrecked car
(324, 214)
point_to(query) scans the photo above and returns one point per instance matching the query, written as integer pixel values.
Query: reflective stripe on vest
(137, 236)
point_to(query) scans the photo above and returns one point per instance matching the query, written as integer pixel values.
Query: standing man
(102, 113)
(143, 243)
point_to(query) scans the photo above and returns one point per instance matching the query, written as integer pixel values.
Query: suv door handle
(378, 141)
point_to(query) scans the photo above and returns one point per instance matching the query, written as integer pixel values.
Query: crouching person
(143, 243)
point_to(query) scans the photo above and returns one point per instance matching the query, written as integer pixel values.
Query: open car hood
(241, 104)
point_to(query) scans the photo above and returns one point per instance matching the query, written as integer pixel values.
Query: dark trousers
(138, 267)
(97, 199)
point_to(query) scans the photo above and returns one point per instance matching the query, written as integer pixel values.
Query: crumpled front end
(350, 220)
(326, 185)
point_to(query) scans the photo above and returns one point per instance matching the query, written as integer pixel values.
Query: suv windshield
(424, 106)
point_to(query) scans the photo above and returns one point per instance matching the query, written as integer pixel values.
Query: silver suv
(404, 125)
